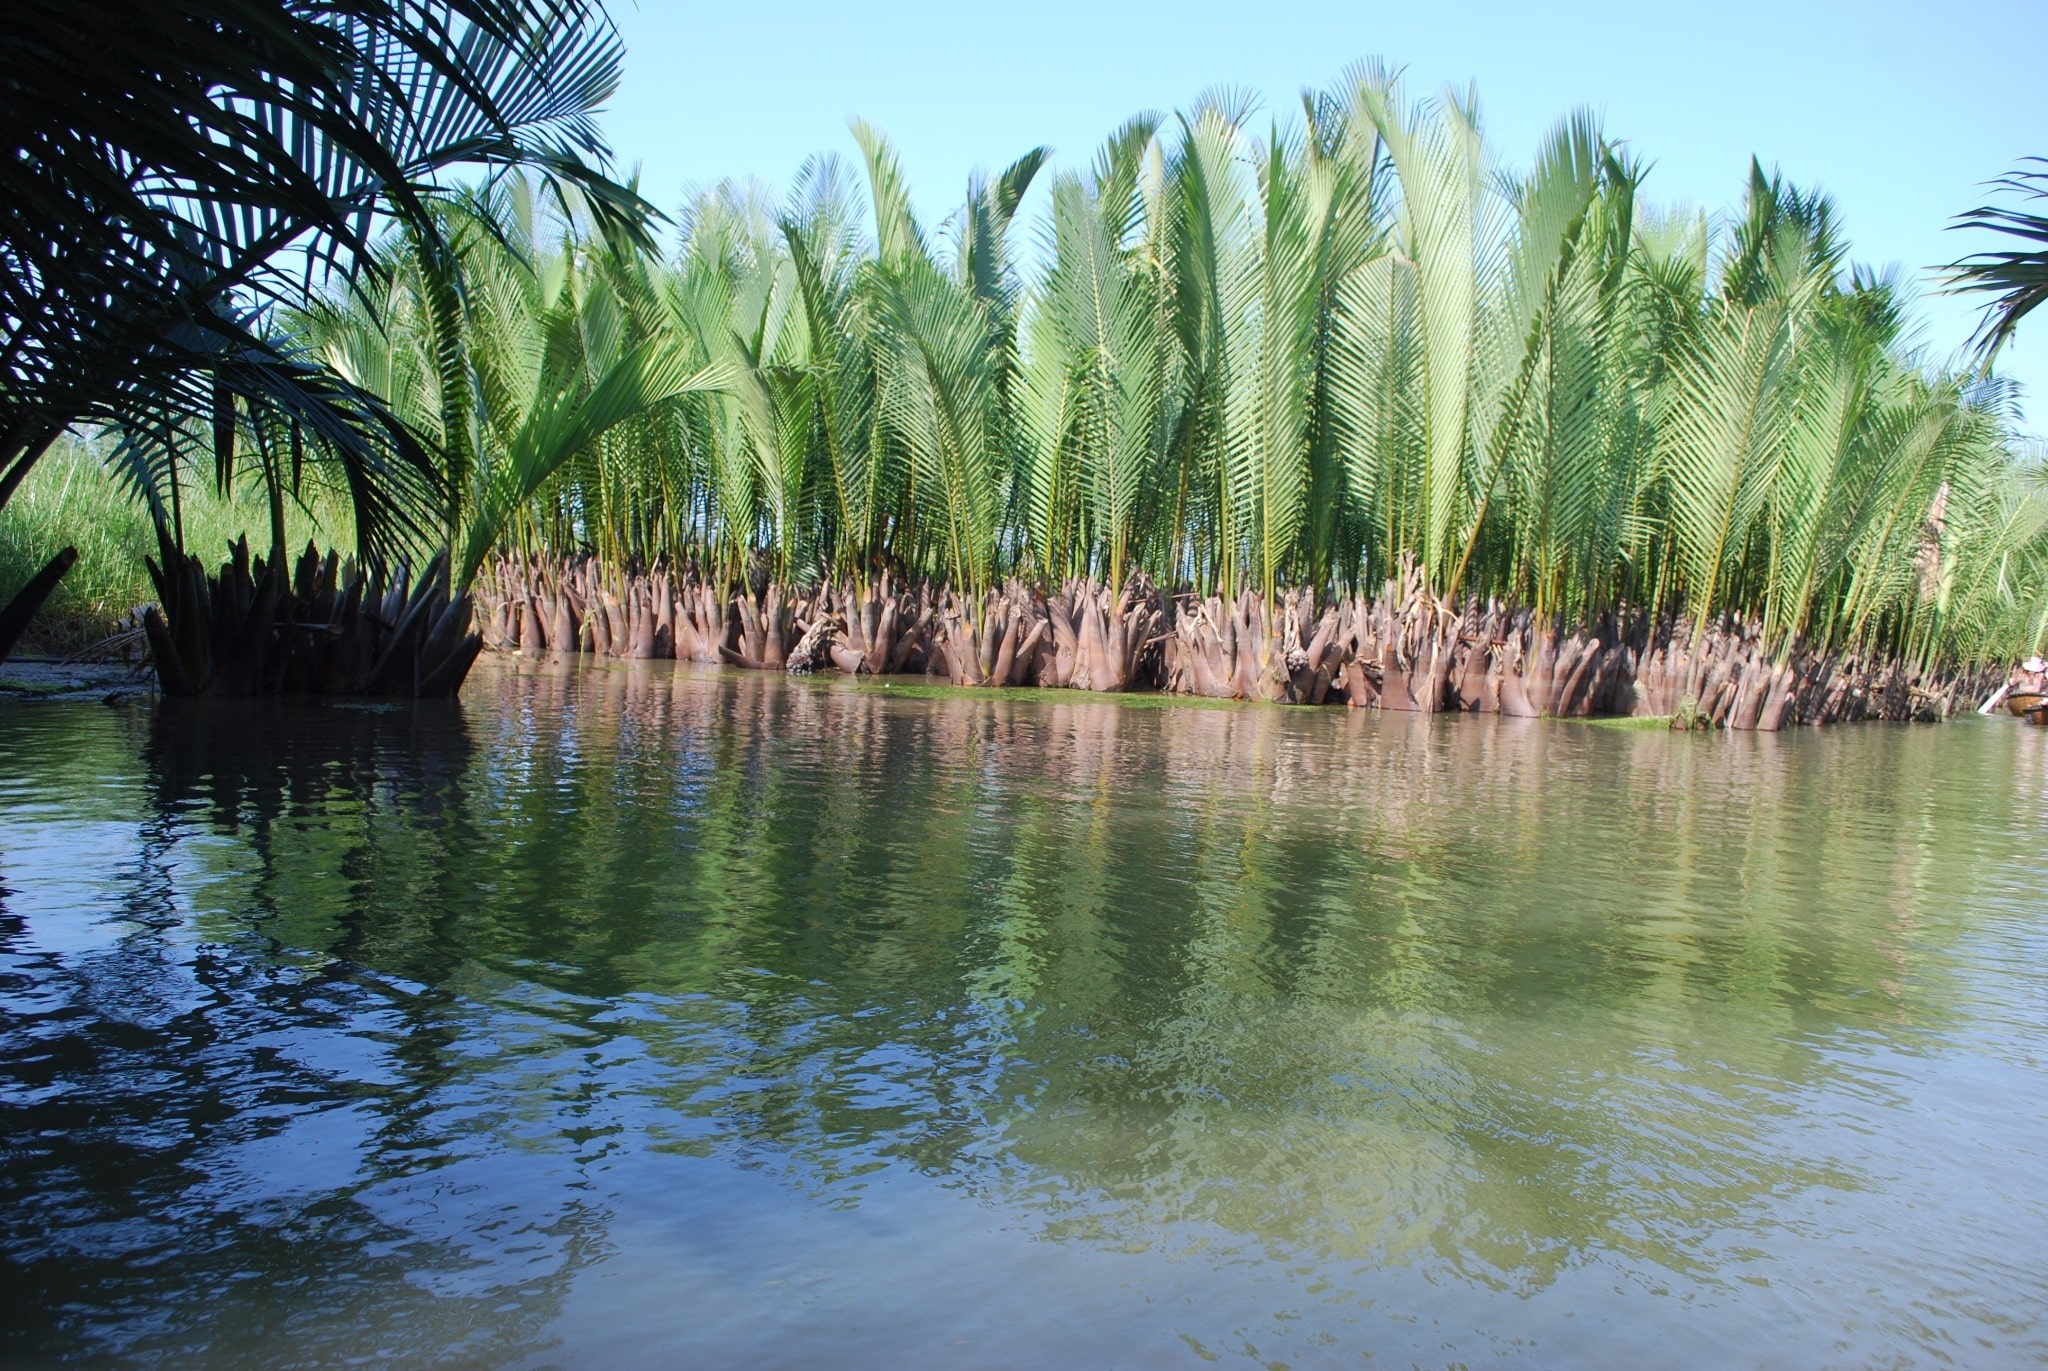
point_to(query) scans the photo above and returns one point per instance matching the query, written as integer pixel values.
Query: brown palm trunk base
(881, 630)
(1105, 641)
(330, 630)
(1406, 650)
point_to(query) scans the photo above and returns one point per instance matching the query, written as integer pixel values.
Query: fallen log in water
(1406, 650)
(332, 629)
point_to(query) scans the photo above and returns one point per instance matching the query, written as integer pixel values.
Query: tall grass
(71, 499)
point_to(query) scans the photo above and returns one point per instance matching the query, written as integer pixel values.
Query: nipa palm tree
(1261, 367)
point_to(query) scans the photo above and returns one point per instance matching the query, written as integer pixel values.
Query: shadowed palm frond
(173, 167)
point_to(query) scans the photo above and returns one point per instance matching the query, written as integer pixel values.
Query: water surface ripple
(638, 1015)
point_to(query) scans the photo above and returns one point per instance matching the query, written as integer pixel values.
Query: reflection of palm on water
(1480, 999)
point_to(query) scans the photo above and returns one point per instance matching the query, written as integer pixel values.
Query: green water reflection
(638, 1010)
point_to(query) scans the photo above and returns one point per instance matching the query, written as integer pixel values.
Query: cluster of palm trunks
(329, 628)
(1405, 650)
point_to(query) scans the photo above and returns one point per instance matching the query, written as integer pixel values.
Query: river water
(652, 1015)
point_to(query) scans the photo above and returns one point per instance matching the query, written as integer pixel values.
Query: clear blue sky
(1899, 111)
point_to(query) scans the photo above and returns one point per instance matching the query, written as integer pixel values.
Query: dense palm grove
(1331, 405)
(1298, 359)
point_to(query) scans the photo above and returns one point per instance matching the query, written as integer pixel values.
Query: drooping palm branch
(174, 171)
(2017, 277)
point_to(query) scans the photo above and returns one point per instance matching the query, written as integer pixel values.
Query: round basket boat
(2025, 704)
